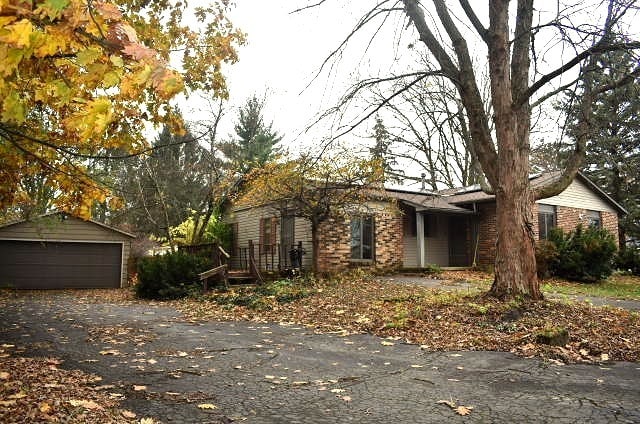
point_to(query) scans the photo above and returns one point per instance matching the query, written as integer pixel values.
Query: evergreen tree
(255, 141)
(613, 152)
(162, 189)
(381, 152)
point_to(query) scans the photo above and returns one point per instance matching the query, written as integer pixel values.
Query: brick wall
(486, 233)
(569, 218)
(566, 218)
(610, 222)
(389, 243)
(334, 236)
(334, 245)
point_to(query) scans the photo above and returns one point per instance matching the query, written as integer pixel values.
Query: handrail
(255, 271)
(224, 252)
(222, 270)
(206, 274)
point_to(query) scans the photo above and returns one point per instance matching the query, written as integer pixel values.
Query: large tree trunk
(515, 265)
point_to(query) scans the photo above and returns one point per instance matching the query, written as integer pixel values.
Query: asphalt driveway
(285, 373)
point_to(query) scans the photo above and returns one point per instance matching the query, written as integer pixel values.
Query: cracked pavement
(285, 373)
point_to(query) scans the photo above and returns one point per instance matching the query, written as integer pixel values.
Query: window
(546, 220)
(362, 238)
(267, 234)
(593, 219)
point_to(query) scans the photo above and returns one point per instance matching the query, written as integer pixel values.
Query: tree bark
(515, 265)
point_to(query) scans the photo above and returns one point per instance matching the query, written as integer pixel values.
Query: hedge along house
(410, 229)
(57, 251)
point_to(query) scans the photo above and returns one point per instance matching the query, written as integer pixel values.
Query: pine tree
(613, 152)
(255, 141)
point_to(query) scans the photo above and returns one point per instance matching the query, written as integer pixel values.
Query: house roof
(108, 227)
(426, 201)
(474, 193)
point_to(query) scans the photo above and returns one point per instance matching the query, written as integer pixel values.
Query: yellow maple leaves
(78, 77)
(17, 34)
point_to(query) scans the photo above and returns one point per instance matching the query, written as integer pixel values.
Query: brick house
(411, 229)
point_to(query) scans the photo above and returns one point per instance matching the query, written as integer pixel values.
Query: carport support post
(420, 238)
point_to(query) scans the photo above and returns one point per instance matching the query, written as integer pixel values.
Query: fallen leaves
(442, 321)
(37, 391)
(128, 414)
(84, 403)
(207, 406)
(458, 409)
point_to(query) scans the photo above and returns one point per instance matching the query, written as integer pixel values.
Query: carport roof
(427, 202)
(108, 227)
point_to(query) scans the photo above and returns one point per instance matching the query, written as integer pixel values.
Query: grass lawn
(626, 287)
(615, 287)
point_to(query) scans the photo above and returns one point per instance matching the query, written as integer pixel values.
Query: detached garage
(58, 251)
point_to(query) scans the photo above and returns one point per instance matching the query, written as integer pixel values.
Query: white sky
(283, 53)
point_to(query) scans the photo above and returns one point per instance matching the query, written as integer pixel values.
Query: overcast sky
(284, 52)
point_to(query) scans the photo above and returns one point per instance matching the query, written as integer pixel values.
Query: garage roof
(63, 215)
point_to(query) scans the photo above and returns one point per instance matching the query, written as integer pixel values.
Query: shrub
(267, 295)
(170, 276)
(546, 257)
(584, 254)
(629, 260)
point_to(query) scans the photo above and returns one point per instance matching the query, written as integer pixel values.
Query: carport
(57, 251)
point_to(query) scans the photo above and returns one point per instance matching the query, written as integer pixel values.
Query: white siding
(248, 221)
(54, 228)
(578, 195)
(303, 234)
(410, 259)
(437, 248)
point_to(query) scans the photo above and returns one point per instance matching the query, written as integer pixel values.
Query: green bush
(584, 254)
(628, 260)
(266, 295)
(170, 276)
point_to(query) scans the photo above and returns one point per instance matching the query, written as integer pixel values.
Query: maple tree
(80, 77)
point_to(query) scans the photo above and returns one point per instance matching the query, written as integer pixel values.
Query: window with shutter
(268, 235)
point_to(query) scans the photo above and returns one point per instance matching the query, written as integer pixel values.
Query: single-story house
(410, 229)
(58, 250)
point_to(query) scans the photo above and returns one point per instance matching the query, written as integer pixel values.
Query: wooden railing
(219, 260)
(273, 257)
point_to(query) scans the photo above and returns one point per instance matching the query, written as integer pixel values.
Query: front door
(287, 239)
(458, 244)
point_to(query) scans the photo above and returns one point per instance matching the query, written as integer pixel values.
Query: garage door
(56, 265)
